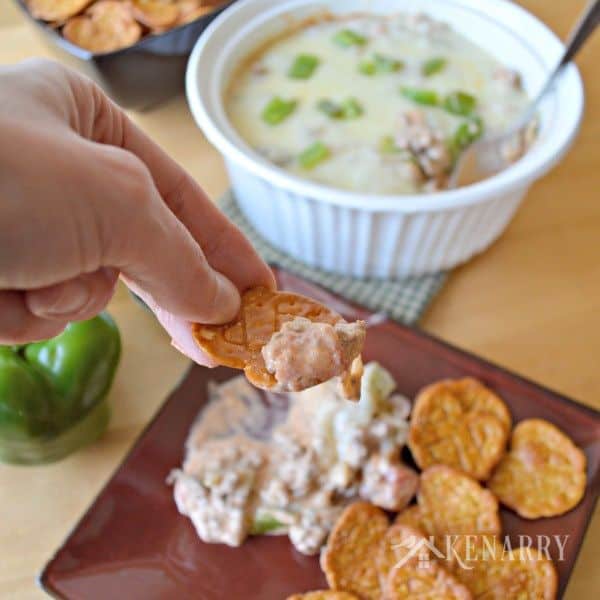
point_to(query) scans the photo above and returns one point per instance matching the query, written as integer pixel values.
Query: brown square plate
(132, 543)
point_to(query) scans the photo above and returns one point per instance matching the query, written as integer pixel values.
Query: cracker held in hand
(491, 571)
(55, 10)
(350, 557)
(104, 27)
(453, 503)
(543, 475)
(408, 569)
(324, 595)
(283, 341)
(459, 423)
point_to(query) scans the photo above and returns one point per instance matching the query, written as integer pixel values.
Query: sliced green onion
(467, 133)
(278, 109)
(380, 64)
(352, 109)
(348, 109)
(347, 38)
(421, 96)
(387, 145)
(313, 155)
(265, 524)
(460, 103)
(387, 64)
(303, 66)
(330, 108)
(433, 66)
(367, 68)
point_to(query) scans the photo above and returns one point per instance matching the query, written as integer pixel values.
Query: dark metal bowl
(140, 76)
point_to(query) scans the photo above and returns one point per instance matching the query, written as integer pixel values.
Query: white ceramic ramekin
(372, 235)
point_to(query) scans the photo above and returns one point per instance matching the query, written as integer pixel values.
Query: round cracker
(543, 475)
(413, 516)
(190, 10)
(494, 572)
(459, 423)
(105, 27)
(324, 595)
(409, 570)
(238, 344)
(453, 503)
(350, 557)
(155, 13)
(55, 10)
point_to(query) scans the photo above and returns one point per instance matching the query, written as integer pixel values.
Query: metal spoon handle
(584, 28)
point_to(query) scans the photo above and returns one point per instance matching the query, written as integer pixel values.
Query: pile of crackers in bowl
(449, 544)
(102, 26)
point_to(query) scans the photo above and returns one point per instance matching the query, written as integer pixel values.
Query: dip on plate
(373, 104)
(289, 464)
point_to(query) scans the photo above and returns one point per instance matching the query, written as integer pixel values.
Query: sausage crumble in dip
(287, 464)
(304, 353)
(372, 103)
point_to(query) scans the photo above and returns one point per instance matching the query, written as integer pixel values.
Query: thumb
(157, 256)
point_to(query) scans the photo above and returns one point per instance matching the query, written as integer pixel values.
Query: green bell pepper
(46, 387)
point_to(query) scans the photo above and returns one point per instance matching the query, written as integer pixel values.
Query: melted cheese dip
(261, 463)
(372, 104)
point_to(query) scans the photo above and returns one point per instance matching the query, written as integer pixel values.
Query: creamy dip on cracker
(373, 104)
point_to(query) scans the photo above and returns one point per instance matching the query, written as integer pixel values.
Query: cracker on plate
(408, 569)
(350, 558)
(459, 423)
(492, 571)
(413, 516)
(324, 595)
(453, 503)
(543, 475)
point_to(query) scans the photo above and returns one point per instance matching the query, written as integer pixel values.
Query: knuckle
(132, 178)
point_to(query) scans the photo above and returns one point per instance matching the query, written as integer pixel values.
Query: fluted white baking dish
(374, 235)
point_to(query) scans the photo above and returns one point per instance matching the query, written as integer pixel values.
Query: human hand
(86, 196)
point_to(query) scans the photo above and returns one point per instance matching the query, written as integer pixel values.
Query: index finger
(224, 245)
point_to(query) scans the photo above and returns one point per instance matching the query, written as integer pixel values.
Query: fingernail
(70, 298)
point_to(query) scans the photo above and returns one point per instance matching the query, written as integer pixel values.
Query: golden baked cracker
(350, 380)
(492, 571)
(413, 516)
(459, 423)
(401, 544)
(55, 10)
(324, 595)
(156, 13)
(431, 583)
(408, 569)
(190, 10)
(453, 503)
(238, 344)
(544, 473)
(104, 27)
(350, 557)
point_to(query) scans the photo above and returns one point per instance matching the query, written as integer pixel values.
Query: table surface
(531, 303)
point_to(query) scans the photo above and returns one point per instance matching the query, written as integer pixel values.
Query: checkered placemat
(404, 300)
